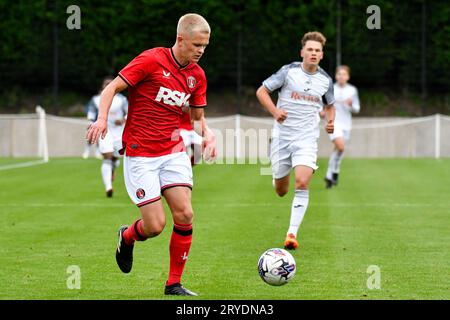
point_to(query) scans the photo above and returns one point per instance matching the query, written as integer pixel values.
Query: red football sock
(180, 243)
(134, 233)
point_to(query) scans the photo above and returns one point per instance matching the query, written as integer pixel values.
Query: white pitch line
(21, 165)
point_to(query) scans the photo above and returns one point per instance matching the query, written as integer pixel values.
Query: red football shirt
(158, 89)
(186, 121)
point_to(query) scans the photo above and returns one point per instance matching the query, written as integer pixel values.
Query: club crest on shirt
(191, 82)
(140, 193)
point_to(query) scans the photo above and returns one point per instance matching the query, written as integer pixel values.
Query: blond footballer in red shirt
(161, 83)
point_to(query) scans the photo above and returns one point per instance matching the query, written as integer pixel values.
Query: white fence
(239, 137)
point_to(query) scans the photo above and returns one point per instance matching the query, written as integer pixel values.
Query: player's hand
(330, 126)
(209, 146)
(349, 102)
(280, 115)
(96, 130)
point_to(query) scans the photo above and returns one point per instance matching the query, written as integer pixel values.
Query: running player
(161, 82)
(303, 88)
(192, 140)
(347, 102)
(109, 146)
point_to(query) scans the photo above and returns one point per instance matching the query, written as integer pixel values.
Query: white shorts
(190, 137)
(111, 144)
(147, 177)
(287, 154)
(340, 133)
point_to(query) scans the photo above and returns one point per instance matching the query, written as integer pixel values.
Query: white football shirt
(118, 111)
(302, 95)
(343, 110)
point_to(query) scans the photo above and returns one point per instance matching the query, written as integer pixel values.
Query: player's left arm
(330, 113)
(202, 129)
(197, 104)
(355, 102)
(330, 110)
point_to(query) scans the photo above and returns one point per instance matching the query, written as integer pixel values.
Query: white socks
(299, 206)
(334, 164)
(107, 167)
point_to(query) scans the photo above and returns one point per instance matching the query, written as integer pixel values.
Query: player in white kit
(112, 143)
(347, 103)
(303, 88)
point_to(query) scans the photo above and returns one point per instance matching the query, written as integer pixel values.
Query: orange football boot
(291, 242)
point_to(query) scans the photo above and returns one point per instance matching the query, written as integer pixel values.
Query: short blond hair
(343, 67)
(192, 22)
(314, 36)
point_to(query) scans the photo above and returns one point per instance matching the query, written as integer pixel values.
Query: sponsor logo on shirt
(166, 74)
(304, 97)
(172, 97)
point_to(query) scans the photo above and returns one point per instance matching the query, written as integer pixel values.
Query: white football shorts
(339, 133)
(112, 142)
(287, 154)
(147, 177)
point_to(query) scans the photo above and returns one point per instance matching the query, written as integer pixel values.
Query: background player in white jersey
(303, 89)
(347, 102)
(112, 143)
(88, 147)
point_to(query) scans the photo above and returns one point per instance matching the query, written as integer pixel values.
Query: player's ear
(179, 39)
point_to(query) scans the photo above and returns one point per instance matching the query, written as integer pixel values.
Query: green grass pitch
(394, 214)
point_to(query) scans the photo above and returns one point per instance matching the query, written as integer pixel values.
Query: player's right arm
(264, 98)
(100, 127)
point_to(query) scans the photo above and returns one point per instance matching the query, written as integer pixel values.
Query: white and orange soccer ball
(276, 266)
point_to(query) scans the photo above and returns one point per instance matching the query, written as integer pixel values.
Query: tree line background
(401, 69)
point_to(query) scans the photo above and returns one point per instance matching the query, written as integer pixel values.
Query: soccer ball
(276, 266)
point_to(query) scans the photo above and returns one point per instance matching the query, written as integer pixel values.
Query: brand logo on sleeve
(172, 97)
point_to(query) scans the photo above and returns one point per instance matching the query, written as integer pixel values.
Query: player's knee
(184, 215)
(301, 183)
(339, 146)
(153, 229)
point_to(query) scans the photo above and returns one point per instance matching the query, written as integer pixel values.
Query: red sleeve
(138, 68)
(198, 98)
